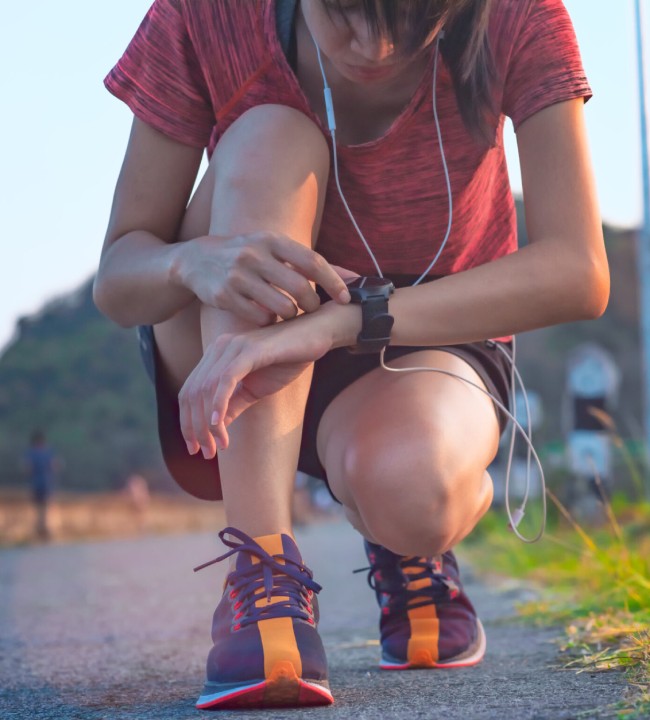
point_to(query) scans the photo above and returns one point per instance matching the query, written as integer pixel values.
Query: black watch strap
(376, 325)
(372, 294)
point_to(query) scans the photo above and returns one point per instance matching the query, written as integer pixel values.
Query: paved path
(120, 630)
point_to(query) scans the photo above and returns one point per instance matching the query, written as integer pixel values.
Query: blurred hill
(76, 375)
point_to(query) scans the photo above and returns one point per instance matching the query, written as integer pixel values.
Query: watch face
(370, 283)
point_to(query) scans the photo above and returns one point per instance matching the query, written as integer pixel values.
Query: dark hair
(466, 48)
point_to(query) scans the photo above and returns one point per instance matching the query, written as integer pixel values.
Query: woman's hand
(257, 276)
(237, 370)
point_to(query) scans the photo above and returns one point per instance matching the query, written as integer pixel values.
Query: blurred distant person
(41, 465)
(301, 510)
(137, 492)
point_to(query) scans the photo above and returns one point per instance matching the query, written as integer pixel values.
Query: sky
(65, 135)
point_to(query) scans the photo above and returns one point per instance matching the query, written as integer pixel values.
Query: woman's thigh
(401, 442)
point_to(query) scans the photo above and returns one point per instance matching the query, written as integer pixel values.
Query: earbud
(329, 109)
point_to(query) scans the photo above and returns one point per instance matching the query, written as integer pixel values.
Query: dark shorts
(332, 374)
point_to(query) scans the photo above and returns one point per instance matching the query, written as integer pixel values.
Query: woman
(251, 366)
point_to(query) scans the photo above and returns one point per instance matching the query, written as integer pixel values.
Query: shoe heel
(285, 689)
(282, 685)
(422, 659)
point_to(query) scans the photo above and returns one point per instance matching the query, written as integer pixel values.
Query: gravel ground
(120, 630)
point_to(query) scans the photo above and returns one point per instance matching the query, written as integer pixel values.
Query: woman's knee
(411, 461)
(420, 528)
(269, 172)
(265, 132)
(414, 502)
(267, 155)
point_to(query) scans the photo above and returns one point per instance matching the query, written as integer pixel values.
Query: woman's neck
(364, 111)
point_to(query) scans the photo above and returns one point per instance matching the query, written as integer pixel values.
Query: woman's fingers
(195, 400)
(260, 276)
(201, 426)
(275, 290)
(229, 387)
(185, 418)
(241, 399)
(311, 265)
(248, 309)
(296, 285)
(190, 401)
(344, 273)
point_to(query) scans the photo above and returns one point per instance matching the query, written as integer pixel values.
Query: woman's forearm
(135, 283)
(531, 288)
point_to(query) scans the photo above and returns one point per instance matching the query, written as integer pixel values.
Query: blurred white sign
(592, 372)
(590, 453)
(535, 405)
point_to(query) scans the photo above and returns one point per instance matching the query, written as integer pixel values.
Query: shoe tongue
(274, 545)
(381, 553)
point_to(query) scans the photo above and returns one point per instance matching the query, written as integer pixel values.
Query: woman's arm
(560, 276)
(134, 280)
(145, 276)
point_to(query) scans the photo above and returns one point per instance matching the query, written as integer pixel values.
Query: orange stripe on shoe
(278, 637)
(422, 646)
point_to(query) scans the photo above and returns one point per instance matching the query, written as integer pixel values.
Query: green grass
(593, 581)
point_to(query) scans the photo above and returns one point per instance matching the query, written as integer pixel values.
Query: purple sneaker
(426, 621)
(267, 651)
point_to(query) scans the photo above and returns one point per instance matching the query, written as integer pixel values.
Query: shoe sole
(424, 658)
(283, 688)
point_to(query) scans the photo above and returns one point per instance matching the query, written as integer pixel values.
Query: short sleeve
(160, 78)
(545, 66)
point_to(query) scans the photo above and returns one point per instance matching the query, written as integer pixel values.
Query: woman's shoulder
(536, 55)
(223, 31)
(510, 17)
(226, 11)
(228, 38)
(516, 25)
(223, 21)
(507, 18)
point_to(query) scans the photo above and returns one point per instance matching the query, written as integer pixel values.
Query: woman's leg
(268, 172)
(407, 454)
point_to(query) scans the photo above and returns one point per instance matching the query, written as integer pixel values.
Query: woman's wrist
(343, 323)
(176, 264)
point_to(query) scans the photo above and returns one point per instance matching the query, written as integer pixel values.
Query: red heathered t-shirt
(194, 66)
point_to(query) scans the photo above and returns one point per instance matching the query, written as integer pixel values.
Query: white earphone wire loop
(516, 425)
(514, 372)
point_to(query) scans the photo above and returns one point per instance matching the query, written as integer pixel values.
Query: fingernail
(344, 296)
(215, 418)
(206, 452)
(191, 448)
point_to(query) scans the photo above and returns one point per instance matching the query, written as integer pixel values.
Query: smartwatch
(372, 294)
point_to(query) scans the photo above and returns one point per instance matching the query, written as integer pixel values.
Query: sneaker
(426, 621)
(267, 651)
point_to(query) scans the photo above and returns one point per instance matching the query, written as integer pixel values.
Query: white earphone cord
(514, 519)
